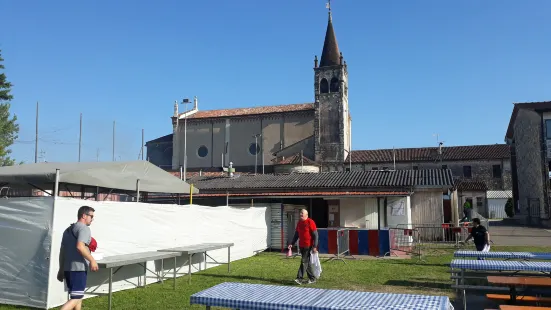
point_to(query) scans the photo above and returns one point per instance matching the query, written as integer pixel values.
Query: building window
(415, 167)
(444, 166)
(467, 171)
(202, 151)
(548, 128)
(375, 168)
(334, 85)
(254, 149)
(479, 203)
(497, 171)
(324, 86)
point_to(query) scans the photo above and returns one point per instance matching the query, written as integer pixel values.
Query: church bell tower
(332, 117)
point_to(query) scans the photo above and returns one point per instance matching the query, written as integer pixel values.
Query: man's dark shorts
(76, 283)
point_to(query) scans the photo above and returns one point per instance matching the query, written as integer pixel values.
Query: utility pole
(113, 140)
(36, 137)
(80, 138)
(142, 142)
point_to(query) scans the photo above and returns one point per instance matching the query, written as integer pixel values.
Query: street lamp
(185, 101)
(256, 149)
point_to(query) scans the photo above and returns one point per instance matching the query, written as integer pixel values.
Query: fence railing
(404, 241)
(342, 242)
(424, 239)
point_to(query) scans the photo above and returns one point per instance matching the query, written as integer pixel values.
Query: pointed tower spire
(330, 56)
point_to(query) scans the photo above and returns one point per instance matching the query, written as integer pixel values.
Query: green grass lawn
(382, 275)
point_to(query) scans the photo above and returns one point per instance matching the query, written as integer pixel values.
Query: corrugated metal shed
(437, 178)
(499, 194)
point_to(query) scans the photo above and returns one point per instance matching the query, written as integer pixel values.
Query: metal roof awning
(112, 175)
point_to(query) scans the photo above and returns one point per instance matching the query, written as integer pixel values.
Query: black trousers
(305, 267)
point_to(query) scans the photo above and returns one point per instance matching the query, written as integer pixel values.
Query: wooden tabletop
(530, 281)
(511, 307)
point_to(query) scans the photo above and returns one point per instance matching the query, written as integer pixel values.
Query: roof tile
(465, 185)
(449, 153)
(252, 111)
(294, 160)
(340, 180)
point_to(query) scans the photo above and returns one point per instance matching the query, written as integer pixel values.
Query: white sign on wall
(398, 208)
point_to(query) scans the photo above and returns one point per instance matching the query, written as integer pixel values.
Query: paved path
(520, 236)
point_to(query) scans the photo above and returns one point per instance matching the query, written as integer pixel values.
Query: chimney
(175, 108)
(195, 102)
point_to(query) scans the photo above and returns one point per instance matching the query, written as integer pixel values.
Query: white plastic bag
(315, 263)
(486, 248)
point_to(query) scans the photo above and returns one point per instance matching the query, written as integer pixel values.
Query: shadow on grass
(420, 283)
(249, 278)
(416, 263)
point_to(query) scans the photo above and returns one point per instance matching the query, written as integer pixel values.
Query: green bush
(509, 208)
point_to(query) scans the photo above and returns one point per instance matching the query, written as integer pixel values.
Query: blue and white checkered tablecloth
(504, 255)
(499, 265)
(532, 255)
(273, 297)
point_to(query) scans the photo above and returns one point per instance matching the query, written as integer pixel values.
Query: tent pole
(191, 195)
(56, 185)
(138, 190)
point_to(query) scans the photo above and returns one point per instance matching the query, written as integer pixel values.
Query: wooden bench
(501, 297)
(510, 307)
(527, 281)
(513, 282)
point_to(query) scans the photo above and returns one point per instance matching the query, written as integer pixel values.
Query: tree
(8, 126)
(509, 209)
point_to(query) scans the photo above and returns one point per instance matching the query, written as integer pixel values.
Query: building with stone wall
(476, 168)
(529, 135)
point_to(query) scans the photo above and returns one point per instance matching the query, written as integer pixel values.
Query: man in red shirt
(307, 234)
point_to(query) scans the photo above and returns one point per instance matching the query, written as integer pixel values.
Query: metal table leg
(162, 270)
(174, 274)
(189, 267)
(144, 274)
(229, 259)
(110, 287)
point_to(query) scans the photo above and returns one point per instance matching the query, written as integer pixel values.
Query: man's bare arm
(83, 250)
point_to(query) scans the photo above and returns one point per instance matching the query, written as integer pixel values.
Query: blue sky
(416, 68)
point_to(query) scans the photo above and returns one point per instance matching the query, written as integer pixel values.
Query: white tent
(31, 230)
(128, 176)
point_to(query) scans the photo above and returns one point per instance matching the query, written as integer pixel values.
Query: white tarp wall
(119, 228)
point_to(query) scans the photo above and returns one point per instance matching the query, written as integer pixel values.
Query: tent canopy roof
(114, 175)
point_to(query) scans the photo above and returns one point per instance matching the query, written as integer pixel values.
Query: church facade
(261, 137)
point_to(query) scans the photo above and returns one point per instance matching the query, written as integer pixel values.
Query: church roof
(330, 56)
(253, 111)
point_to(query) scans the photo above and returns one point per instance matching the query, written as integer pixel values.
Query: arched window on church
(334, 85)
(324, 86)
